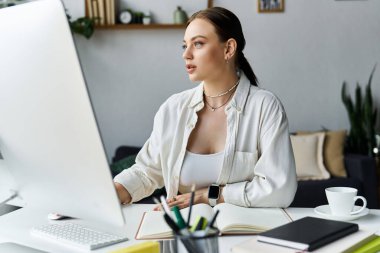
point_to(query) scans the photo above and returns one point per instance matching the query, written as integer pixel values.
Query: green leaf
(84, 26)
(362, 115)
(371, 75)
(358, 99)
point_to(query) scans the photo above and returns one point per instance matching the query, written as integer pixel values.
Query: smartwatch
(213, 194)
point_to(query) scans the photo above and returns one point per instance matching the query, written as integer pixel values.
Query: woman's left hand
(183, 200)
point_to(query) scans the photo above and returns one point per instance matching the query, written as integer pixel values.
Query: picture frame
(270, 6)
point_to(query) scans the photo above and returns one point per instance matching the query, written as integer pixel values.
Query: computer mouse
(56, 216)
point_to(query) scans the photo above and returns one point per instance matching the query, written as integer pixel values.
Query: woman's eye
(198, 44)
(184, 47)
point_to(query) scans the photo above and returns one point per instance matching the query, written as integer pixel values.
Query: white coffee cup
(342, 200)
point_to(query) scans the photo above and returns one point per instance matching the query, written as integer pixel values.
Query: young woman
(226, 136)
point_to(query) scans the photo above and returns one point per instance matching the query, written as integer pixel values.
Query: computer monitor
(49, 139)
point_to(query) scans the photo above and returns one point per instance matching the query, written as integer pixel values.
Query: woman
(226, 136)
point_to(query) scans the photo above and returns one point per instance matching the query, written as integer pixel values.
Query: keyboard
(77, 236)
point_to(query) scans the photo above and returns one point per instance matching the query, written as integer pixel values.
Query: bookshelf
(152, 26)
(140, 26)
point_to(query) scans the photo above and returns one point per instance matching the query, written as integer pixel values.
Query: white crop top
(199, 169)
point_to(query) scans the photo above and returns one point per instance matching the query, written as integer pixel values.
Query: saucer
(325, 212)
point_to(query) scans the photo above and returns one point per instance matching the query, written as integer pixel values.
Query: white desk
(15, 227)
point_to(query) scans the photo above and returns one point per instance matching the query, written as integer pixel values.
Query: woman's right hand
(123, 194)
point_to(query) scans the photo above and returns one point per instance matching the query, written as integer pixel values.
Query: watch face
(125, 17)
(213, 192)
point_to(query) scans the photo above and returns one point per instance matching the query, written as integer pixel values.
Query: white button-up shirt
(258, 165)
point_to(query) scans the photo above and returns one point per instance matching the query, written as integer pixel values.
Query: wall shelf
(140, 26)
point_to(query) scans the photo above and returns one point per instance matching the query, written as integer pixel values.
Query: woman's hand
(183, 200)
(123, 194)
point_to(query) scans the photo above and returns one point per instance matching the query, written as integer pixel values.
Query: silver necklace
(223, 93)
(212, 108)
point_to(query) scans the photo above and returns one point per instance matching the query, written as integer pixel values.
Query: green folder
(370, 247)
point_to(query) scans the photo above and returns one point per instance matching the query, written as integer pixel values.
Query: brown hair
(227, 26)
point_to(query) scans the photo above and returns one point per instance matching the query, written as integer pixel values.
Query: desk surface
(15, 227)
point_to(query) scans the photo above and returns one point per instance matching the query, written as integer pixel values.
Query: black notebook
(308, 233)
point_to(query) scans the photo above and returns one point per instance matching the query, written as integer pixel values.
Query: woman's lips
(190, 68)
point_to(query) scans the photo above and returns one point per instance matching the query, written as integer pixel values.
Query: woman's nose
(187, 54)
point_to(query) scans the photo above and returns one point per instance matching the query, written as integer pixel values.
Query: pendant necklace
(212, 108)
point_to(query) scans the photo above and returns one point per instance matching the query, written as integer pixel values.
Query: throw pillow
(308, 155)
(333, 151)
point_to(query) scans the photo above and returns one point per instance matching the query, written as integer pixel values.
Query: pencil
(191, 204)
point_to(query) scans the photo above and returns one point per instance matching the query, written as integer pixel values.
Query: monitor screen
(49, 138)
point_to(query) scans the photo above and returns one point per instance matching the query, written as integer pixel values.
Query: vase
(146, 20)
(180, 16)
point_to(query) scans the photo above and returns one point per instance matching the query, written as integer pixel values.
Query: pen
(165, 206)
(162, 207)
(171, 224)
(180, 221)
(191, 204)
(211, 223)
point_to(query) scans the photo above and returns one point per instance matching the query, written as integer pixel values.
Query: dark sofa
(361, 174)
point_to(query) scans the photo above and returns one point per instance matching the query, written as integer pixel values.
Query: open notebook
(231, 220)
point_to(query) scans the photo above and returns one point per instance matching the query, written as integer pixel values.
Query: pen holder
(199, 242)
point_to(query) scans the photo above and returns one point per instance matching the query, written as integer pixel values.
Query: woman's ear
(230, 49)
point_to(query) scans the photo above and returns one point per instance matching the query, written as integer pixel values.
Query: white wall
(302, 55)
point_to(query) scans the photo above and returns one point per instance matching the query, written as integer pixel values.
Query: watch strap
(212, 202)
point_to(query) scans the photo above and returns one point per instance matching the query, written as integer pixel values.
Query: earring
(227, 60)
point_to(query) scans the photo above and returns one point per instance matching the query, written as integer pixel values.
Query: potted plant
(362, 115)
(84, 26)
(9, 3)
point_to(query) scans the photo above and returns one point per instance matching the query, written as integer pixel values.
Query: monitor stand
(6, 208)
(11, 247)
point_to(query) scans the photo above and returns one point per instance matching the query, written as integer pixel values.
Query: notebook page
(153, 225)
(244, 219)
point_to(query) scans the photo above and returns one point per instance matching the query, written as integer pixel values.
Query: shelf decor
(102, 10)
(270, 6)
(108, 19)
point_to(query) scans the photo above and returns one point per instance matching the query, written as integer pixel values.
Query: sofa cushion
(308, 154)
(333, 151)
